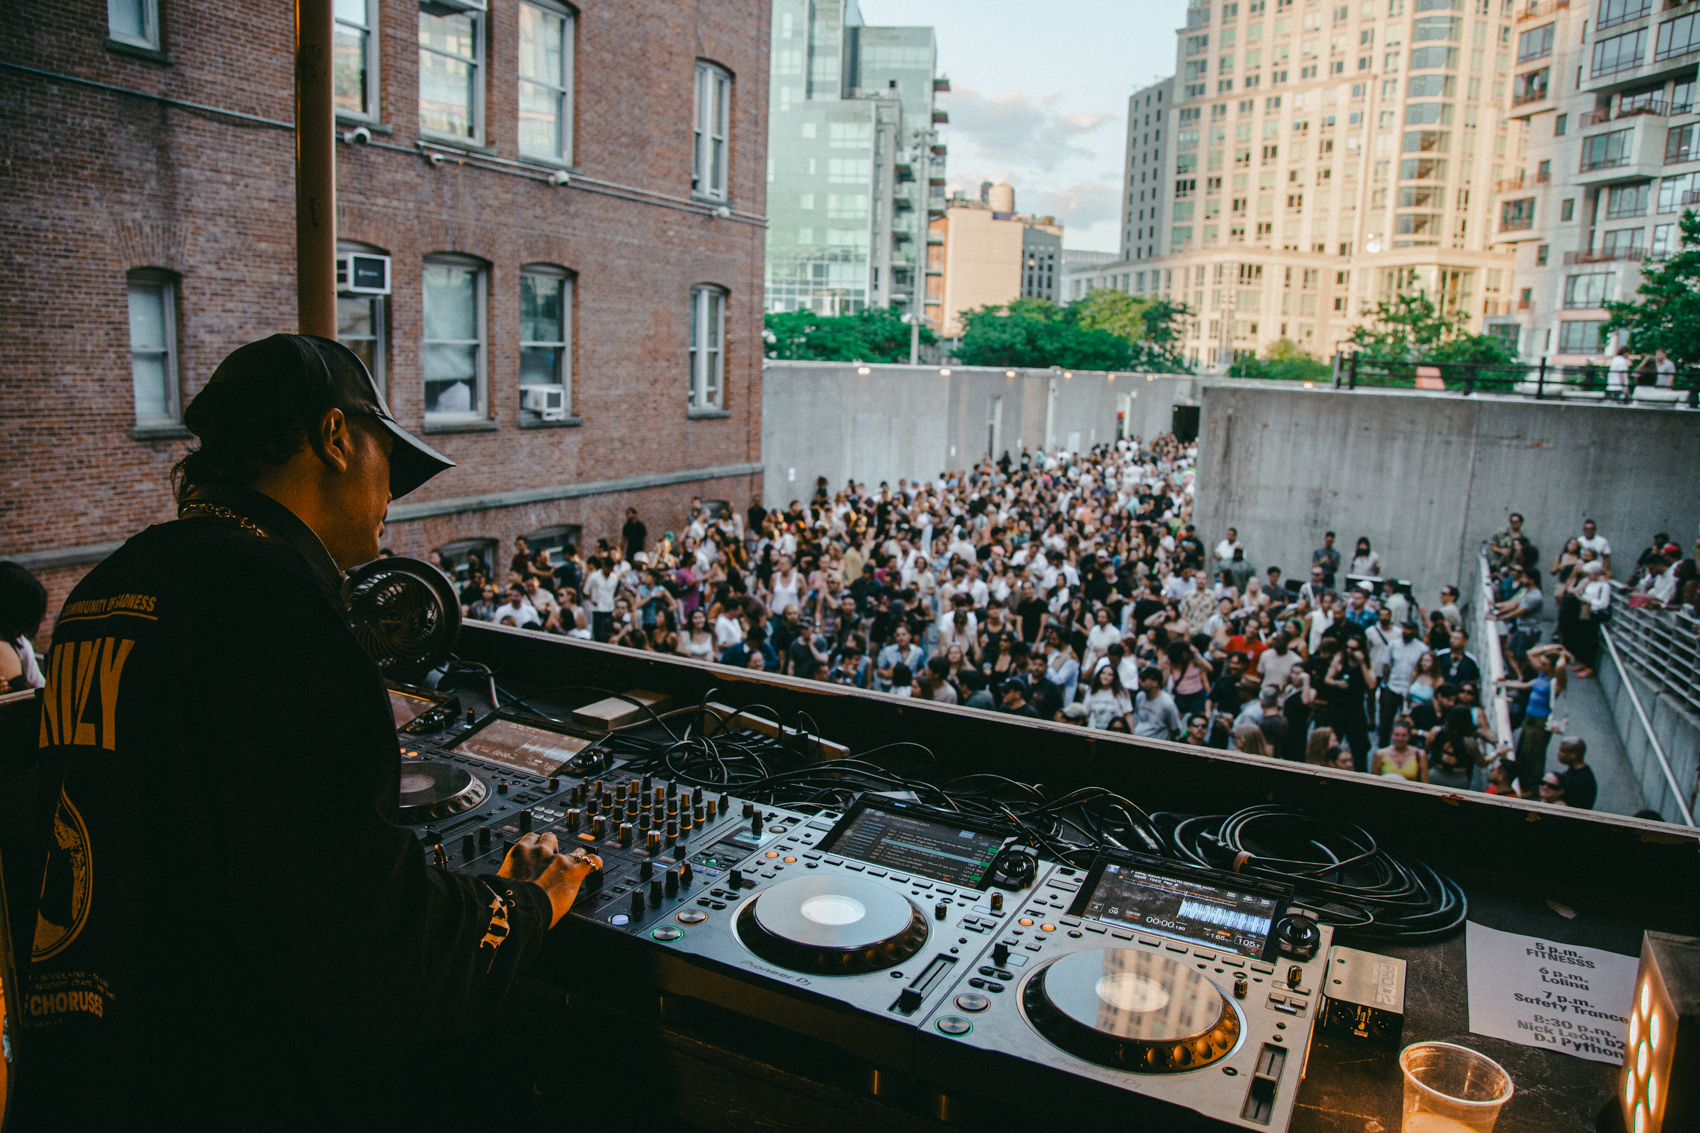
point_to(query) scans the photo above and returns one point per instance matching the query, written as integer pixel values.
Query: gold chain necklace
(217, 512)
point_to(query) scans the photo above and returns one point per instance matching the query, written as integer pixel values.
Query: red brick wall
(97, 183)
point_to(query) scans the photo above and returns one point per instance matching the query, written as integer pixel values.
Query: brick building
(570, 199)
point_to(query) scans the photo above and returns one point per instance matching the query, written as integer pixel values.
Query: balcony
(1638, 156)
(1537, 11)
(1517, 224)
(1616, 255)
(1653, 106)
(1510, 186)
(1529, 97)
(1595, 118)
(1691, 197)
(941, 84)
(941, 117)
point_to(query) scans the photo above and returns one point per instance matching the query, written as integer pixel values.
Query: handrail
(1647, 727)
(1498, 705)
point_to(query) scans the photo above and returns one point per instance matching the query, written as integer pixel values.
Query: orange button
(772, 854)
(1024, 921)
(1047, 928)
(587, 837)
(789, 859)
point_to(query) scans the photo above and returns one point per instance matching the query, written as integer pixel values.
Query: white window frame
(564, 92)
(711, 120)
(370, 114)
(150, 18)
(379, 314)
(564, 374)
(164, 286)
(480, 36)
(708, 349)
(480, 410)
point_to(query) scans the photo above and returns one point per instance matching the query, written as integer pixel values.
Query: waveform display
(1227, 918)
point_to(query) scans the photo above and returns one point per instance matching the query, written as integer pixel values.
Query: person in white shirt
(1275, 663)
(516, 607)
(1665, 367)
(787, 587)
(1398, 667)
(1617, 377)
(1226, 548)
(599, 590)
(728, 629)
(1100, 637)
(1180, 584)
(1593, 541)
(1320, 619)
(1365, 562)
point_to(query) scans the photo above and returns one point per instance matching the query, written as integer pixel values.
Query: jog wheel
(832, 925)
(437, 790)
(1131, 1010)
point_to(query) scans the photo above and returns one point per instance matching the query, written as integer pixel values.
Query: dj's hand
(536, 858)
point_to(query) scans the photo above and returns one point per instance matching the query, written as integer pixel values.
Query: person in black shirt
(262, 946)
(1014, 702)
(1226, 695)
(1031, 610)
(633, 535)
(757, 515)
(1581, 789)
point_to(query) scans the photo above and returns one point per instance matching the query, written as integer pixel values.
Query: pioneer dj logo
(780, 973)
(80, 705)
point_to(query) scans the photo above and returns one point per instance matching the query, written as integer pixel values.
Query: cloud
(1016, 129)
(1080, 206)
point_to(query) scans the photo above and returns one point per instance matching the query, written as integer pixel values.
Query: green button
(667, 932)
(953, 1025)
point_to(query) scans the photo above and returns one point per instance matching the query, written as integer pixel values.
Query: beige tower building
(982, 252)
(1327, 156)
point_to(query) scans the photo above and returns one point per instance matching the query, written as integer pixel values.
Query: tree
(1037, 334)
(1412, 329)
(1283, 361)
(1115, 311)
(1668, 314)
(875, 335)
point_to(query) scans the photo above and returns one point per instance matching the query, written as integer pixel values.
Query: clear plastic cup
(1451, 1089)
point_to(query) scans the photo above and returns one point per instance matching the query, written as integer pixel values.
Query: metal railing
(1663, 644)
(1493, 699)
(1606, 256)
(1678, 795)
(1543, 380)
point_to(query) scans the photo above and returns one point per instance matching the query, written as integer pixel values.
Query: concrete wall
(1427, 477)
(825, 419)
(1677, 730)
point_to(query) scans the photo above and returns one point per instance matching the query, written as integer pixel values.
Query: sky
(1039, 96)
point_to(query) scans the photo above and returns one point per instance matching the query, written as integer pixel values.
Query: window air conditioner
(362, 273)
(548, 402)
(453, 7)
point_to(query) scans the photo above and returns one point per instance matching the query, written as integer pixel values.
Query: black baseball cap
(297, 378)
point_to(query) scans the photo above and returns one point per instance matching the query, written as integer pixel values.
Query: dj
(233, 933)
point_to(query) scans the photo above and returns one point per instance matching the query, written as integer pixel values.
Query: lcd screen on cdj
(918, 845)
(407, 709)
(517, 747)
(1181, 907)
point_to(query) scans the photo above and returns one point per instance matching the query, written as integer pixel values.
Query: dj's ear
(334, 440)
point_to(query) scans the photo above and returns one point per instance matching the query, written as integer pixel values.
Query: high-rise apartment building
(1325, 157)
(1144, 231)
(1606, 93)
(987, 254)
(854, 160)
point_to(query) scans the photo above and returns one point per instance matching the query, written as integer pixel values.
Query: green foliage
(875, 335)
(1413, 329)
(1105, 331)
(1668, 313)
(1283, 361)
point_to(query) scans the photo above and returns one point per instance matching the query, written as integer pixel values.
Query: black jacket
(234, 932)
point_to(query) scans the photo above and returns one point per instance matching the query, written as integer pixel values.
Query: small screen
(916, 844)
(1181, 907)
(518, 747)
(407, 709)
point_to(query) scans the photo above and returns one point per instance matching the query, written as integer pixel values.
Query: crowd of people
(1075, 588)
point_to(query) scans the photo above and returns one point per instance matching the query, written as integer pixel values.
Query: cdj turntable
(1184, 986)
(847, 930)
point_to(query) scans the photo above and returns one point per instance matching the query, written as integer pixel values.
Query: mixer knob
(431, 836)
(713, 809)
(502, 787)
(735, 878)
(648, 784)
(596, 787)
(672, 829)
(698, 815)
(483, 837)
(468, 847)
(1000, 955)
(673, 806)
(678, 850)
(660, 795)
(631, 807)
(940, 910)
(755, 823)
(637, 904)
(625, 833)
(655, 891)
(574, 817)
(653, 842)
(593, 806)
(997, 902)
(592, 881)
(684, 875)
(696, 796)
(671, 883)
(1295, 976)
(749, 809)
(908, 1000)
(599, 826)
(554, 783)
(645, 869)
(438, 857)
(525, 822)
(644, 821)
(685, 822)
(620, 791)
(1240, 986)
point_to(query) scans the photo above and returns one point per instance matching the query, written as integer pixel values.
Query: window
(1567, 209)
(362, 323)
(1664, 241)
(453, 359)
(1677, 37)
(153, 348)
(135, 22)
(1427, 113)
(1627, 200)
(1514, 215)
(708, 353)
(1682, 97)
(713, 113)
(451, 86)
(1560, 125)
(1422, 169)
(462, 556)
(354, 58)
(1620, 53)
(1541, 255)
(1580, 336)
(1587, 290)
(1437, 27)
(1426, 86)
(1605, 150)
(1417, 223)
(1623, 244)
(545, 82)
(1425, 58)
(1536, 44)
(545, 358)
(1679, 192)
(1531, 86)
(1427, 141)
(1682, 143)
(1614, 12)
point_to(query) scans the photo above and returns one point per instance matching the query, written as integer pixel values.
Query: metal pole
(1353, 384)
(1541, 380)
(1647, 727)
(315, 169)
(914, 339)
